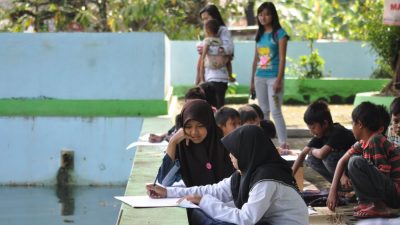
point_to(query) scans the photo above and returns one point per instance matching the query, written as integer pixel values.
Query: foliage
(54, 15)
(382, 71)
(179, 19)
(323, 19)
(312, 65)
(308, 66)
(232, 86)
(382, 38)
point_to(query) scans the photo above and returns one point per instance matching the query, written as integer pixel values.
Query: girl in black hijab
(262, 191)
(257, 161)
(195, 151)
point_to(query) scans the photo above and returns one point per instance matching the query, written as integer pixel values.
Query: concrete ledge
(373, 97)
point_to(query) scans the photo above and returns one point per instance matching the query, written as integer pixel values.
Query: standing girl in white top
(267, 78)
(261, 191)
(218, 77)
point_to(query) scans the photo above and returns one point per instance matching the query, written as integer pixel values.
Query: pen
(155, 181)
(154, 186)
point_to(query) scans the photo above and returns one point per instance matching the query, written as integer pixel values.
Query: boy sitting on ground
(394, 129)
(248, 116)
(267, 125)
(228, 119)
(269, 129)
(373, 165)
(329, 144)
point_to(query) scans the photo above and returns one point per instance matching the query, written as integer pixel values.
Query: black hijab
(207, 162)
(258, 160)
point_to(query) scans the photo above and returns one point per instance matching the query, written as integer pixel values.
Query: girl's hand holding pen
(156, 191)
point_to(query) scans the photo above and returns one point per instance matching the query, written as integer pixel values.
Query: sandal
(362, 206)
(372, 212)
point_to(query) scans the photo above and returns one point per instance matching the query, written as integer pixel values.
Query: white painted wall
(83, 65)
(342, 59)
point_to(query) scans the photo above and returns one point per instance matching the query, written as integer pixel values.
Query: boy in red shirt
(373, 165)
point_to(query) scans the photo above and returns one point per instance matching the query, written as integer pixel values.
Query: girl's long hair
(270, 7)
(214, 13)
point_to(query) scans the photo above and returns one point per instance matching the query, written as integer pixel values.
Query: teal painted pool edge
(82, 108)
(374, 98)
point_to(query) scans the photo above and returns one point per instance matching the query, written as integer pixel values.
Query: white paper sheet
(144, 141)
(290, 157)
(311, 211)
(147, 202)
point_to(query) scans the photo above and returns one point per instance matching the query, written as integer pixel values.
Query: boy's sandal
(361, 206)
(372, 213)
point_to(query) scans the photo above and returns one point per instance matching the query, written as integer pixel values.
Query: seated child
(248, 116)
(394, 129)
(330, 142)
(195, 152)
(269, 128)
(258, 110)
(228, 119)
(373, 165)
(192, 93)
(384, 119)
(261, 191)
(267, 125)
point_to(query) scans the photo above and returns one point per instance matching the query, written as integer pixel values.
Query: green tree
(324, 19)
(385, 41)
(40, 14)
(179, 19)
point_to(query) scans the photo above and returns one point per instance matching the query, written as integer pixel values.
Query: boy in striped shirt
(394, 129)
(373, 164)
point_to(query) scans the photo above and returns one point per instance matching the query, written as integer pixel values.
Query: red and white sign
(391, 12)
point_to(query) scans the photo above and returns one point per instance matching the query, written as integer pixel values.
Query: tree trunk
(251, 20)
(102, 4)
